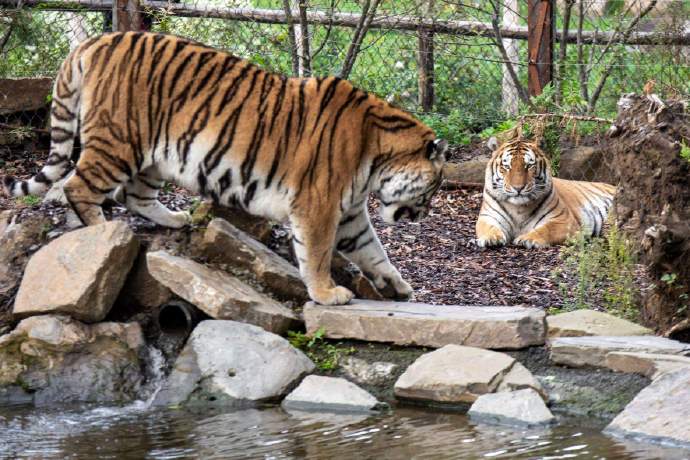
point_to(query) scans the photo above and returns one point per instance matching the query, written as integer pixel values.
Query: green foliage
(326, 355)
(29, 200)
(604, 273)
(451, 127)
(685, 151)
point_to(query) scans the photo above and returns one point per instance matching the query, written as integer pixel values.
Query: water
(138, 432)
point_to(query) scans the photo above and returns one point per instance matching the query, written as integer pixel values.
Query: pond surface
(139, 433)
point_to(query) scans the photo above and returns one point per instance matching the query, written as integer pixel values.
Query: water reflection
(137, 432)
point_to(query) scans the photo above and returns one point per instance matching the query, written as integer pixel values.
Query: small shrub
(685, 152)
(29, 200)
(603, 271)
(326, 355)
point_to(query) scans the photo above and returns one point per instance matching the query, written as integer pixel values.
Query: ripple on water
(135, 431)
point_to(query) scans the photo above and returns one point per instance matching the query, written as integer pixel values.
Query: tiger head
(519, 172)
(407, 186)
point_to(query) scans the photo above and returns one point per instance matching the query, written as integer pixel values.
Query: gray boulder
(54, 358)
(79, 274)
(458, 374)
(218, 294)
(521, 407)
(361, 371)
(225, 243)
(330, 394)
(233, 363)
(660, 412)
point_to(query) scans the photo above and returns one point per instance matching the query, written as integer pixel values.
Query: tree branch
(607, 70)
(368, 12)
(563, 50)
(291, 37)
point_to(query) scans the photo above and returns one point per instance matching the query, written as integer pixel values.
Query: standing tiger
(524, 204)
(150, 108)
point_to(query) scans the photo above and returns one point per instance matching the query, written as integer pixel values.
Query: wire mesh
(473, 92)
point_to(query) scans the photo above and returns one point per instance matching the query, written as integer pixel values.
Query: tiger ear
(437, 149)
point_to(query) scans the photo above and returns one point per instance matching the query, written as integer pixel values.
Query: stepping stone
(235, 364)
(592, 351)
(319, 393)
(218, 294)
(225, 243)
(78, 274)
(660, 412)
(406, 323)
(648, 364)
(522, 407)
(580, 323)
(459, 374)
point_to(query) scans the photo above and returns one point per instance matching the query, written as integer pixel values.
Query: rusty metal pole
(126, 15)
(540, 26)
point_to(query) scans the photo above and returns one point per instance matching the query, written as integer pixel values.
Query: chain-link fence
(461, 65)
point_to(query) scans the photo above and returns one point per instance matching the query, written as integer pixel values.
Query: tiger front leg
(555, 231)
(313, 242)
(489, 233)
(357, 240)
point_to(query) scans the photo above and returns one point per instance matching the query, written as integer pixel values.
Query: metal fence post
(425, 61)
(540, 25)
(126, 15)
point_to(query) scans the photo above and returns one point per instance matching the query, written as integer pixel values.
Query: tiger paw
(530, 243)
(496, 238)
(335, 296)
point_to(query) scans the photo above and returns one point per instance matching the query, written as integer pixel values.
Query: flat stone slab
(231, 363)
(660, 412)
(459, 374)
(406, 323)
(79, 274)
(648, 364)
(218, 294)
(592, 351)
(521, 407)
(330, 394)
(223, 242)
(581, 323)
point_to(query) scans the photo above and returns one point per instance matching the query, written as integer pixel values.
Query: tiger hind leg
(96, 175)
(140, 195)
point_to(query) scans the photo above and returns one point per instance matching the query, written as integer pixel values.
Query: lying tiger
(150, 108)
(524, 204)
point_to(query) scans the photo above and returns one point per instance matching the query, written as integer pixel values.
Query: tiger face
(406, 189)
(519, 173)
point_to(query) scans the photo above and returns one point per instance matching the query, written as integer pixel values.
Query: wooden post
(540, 25)
(425, 61)
(126, 15)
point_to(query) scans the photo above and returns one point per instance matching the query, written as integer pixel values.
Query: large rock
(330, 394)
(580, 323)
(592, 351)
(521, 407)
(79, 273)
(406, 323)
(224, 243)
(660, 412)
(142, 289)
(54, 358)
(648, 364)
(459, 374)
(233, 363)
(17, 240)
(219, 294)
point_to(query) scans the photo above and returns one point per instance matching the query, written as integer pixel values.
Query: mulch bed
(438, 257)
